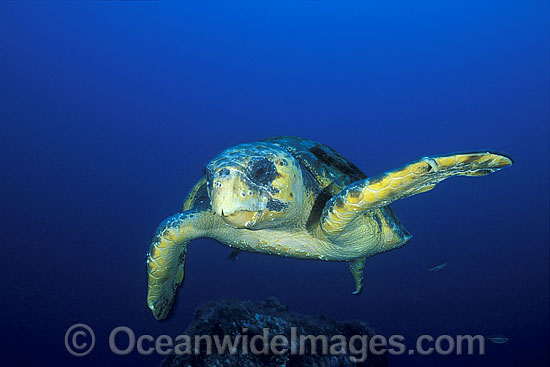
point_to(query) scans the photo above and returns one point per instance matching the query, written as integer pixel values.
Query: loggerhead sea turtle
(294, 197)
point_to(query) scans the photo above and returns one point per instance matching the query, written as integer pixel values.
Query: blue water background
(110, 110)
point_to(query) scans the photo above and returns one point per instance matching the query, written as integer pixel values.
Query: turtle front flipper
(412, 179)
(166, 258)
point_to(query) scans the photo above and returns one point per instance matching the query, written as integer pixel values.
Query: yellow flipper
(166, 259)
(412, 179)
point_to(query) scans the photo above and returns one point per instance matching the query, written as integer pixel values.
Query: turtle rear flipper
(412, 179)
(166, 259)
(356, 268)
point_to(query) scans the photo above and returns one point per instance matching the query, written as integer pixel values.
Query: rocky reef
(237, 333)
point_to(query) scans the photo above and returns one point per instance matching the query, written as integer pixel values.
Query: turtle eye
(223, 172)
(261, 171)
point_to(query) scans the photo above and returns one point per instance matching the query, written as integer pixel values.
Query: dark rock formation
(257, 326)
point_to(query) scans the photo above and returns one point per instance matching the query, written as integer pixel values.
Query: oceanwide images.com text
(80, 341)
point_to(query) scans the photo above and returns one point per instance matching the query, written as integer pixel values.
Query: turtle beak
(238, 202)
(241, 218)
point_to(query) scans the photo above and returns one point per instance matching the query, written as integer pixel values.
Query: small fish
(233, 255)
(497, 339)
(439, 267)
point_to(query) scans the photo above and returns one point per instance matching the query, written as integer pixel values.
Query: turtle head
(255, 186)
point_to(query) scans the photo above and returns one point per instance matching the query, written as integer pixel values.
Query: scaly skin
(259, 197)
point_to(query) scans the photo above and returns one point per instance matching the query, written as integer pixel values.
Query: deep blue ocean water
(110, 110)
